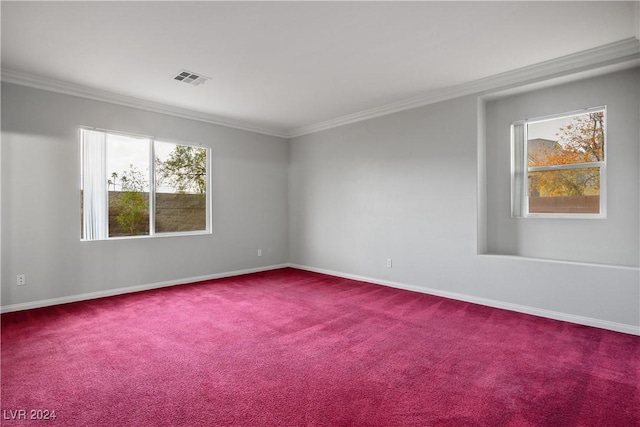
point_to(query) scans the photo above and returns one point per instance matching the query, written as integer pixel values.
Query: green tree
(132, 205)
(185, 169)
(113, 181)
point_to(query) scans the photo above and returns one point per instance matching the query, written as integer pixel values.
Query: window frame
(152, 186)
(520, 168)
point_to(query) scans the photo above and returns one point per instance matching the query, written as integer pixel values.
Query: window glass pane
(181, 187)
(123, 176)
(128, 185)
(565, 191)
(567, 140)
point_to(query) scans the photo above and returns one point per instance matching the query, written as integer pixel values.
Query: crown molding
(601, 58)
(66, 88)
(624, 51)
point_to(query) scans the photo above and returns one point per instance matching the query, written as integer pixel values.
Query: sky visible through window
(124, 151)
(548, 129)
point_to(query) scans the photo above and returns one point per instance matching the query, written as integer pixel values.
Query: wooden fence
(565, 204)
(174, 213)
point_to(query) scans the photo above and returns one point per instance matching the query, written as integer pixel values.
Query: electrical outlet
(22, 280)
(259, 252)
(389, 262)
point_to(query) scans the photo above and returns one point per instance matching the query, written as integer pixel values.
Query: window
(558, 165)
(139, 186)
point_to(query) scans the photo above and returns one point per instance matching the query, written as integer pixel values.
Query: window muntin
(559, 165)
(137, 186)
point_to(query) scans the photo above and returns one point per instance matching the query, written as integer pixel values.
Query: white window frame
(520, 168)
(152, 187)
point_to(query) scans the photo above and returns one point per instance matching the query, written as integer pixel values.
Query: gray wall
(41, 201)
(405, 186)
(401, 186)
(613, 240)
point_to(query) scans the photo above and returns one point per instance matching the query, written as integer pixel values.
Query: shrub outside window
(559, 165)
(136, 186)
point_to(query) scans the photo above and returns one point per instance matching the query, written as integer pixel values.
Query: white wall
(613, 240)
(41, 201)
(405, 186)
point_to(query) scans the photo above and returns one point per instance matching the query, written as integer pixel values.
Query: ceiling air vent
(191, 78)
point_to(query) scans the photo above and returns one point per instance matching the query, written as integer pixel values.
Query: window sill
(153, 236)
(557, 261)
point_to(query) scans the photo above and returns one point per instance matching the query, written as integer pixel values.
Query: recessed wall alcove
(613, 240)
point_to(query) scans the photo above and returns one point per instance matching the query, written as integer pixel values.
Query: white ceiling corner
(38, 82)
(292, 68)
(624, 53)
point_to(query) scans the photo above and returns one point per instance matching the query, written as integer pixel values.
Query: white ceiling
(286, 66)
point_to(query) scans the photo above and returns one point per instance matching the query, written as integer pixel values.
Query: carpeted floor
(293, 348)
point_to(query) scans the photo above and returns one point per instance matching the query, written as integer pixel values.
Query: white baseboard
(571, 318)
(581, 320)
(130, 289)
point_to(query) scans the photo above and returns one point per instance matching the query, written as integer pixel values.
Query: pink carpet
(293, 348)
